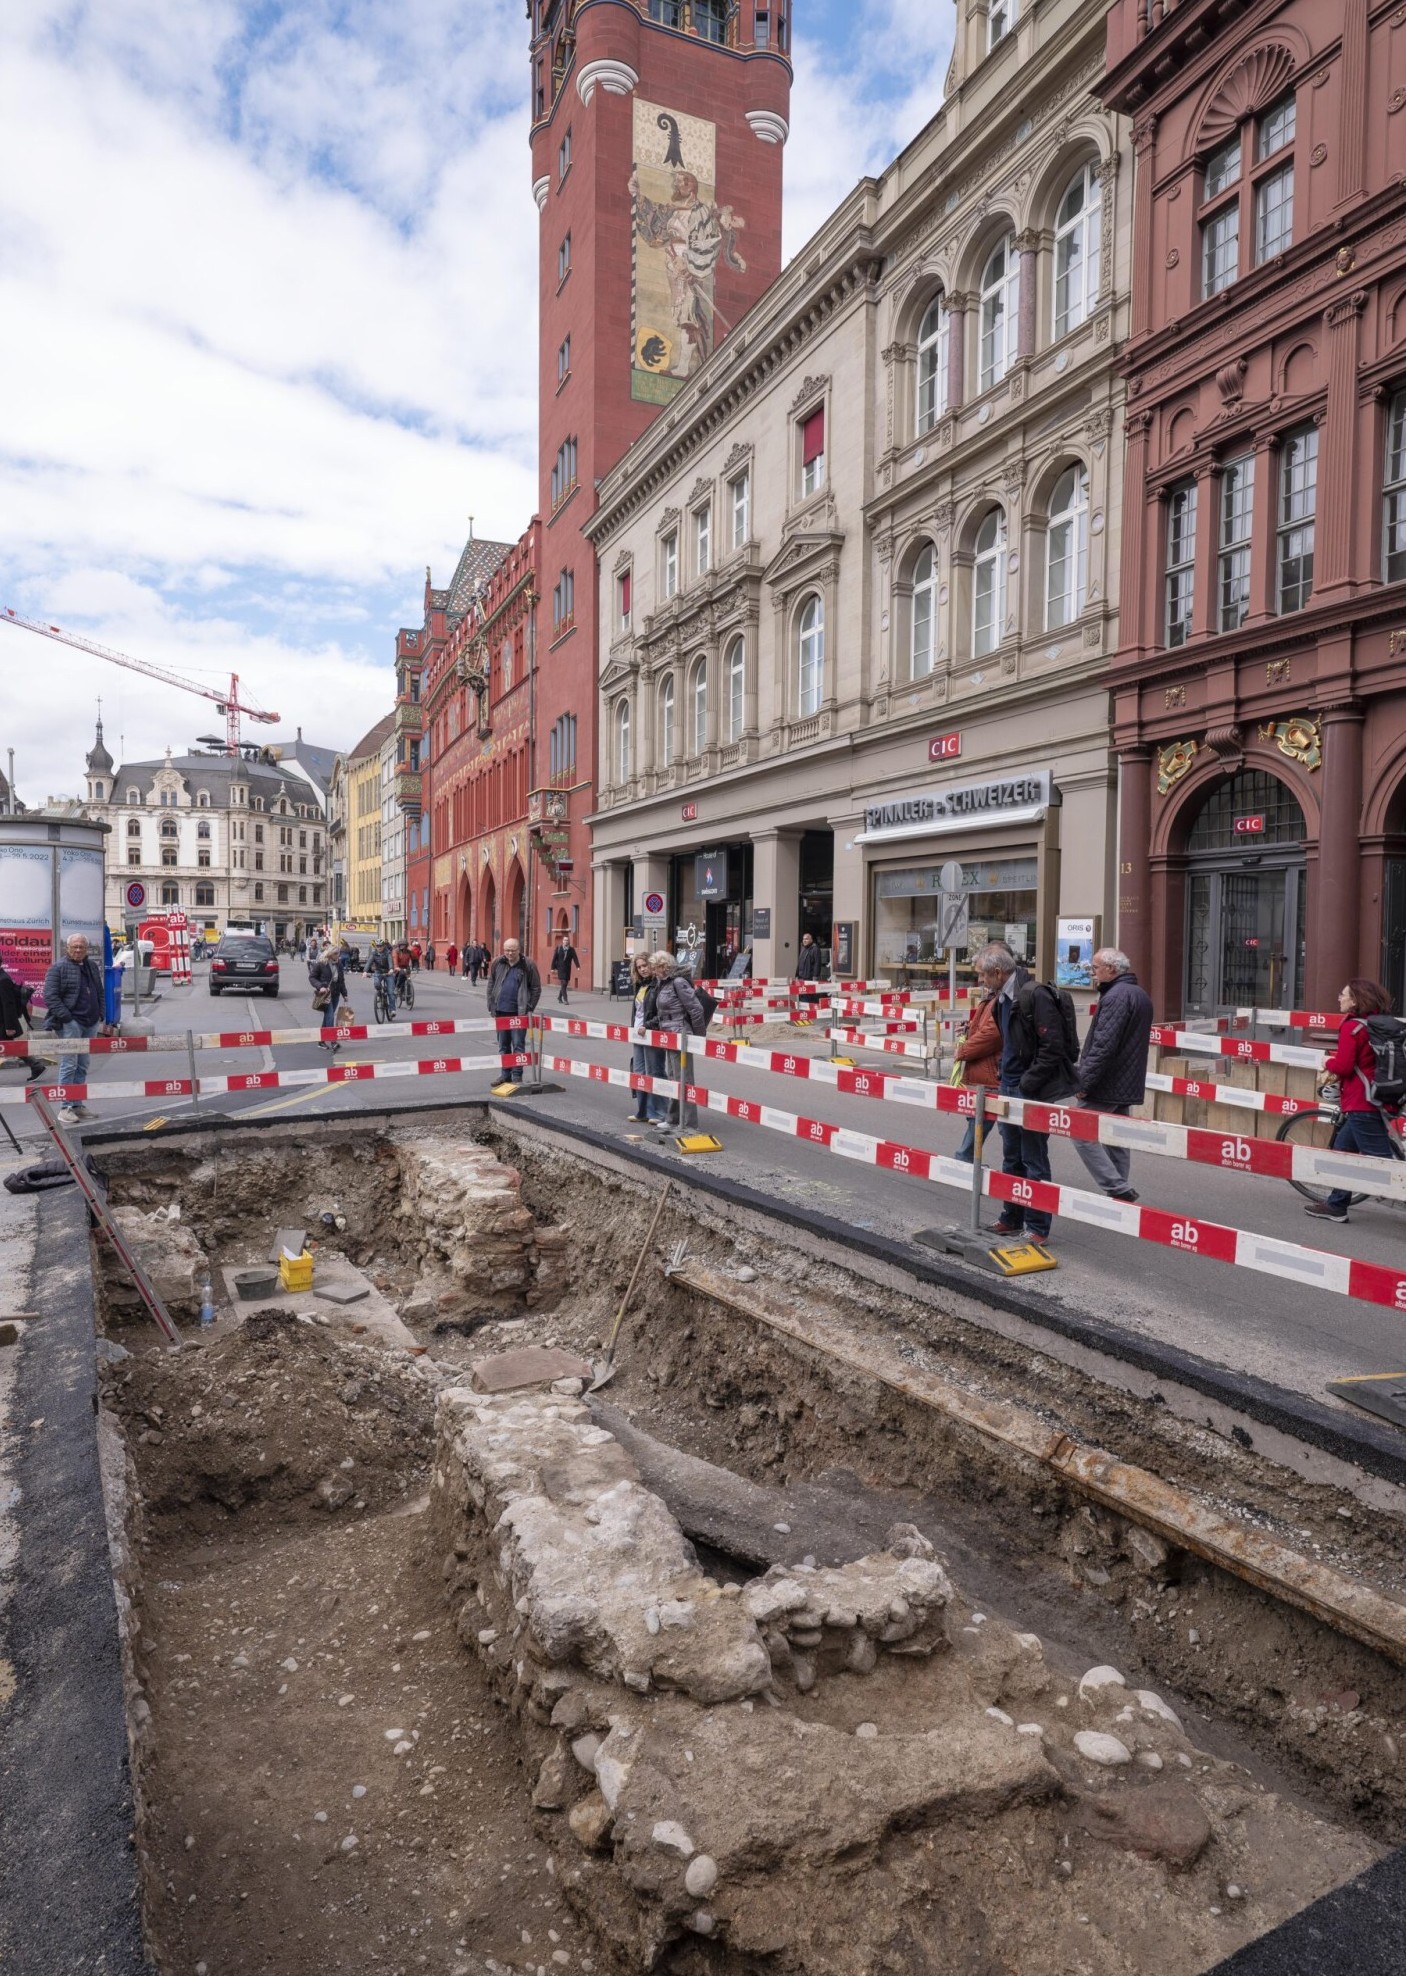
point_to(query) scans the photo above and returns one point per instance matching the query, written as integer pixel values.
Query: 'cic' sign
(1249, 826)
(689, 812)
(944, 747)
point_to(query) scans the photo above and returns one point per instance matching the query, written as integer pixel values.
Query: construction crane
(229, 704)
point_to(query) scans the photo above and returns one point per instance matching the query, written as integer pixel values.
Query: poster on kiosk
(169, 934)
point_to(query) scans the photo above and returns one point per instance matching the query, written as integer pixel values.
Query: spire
(99, 760)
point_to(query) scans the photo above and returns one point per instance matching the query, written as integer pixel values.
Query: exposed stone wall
(474, 1238)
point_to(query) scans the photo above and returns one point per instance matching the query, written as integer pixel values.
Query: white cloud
(268, 324)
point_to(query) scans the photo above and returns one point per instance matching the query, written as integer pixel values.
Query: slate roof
(476, 565)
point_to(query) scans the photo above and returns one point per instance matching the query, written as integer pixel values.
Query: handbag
(346, 1015)
(321, 997)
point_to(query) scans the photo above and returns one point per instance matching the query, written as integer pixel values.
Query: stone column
(776, 882)
(1134, 931)
(651, 874)
(1139, 515)
(1263, 537)
(1352, 133)
(1337, 451)
(850, 897)
(959, 308)
(1027, 245)
(1205, 603)
(1145, 171)
(1333, 930)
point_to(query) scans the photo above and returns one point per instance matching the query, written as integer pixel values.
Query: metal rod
(194, 1078)
(978, 1148)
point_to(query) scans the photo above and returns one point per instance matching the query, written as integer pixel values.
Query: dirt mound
(274, 1416)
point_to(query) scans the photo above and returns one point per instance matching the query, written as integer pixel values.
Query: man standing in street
(73, 995)
(514, 989)
(1036, 1062)
(1112, 1069)
(563, 960)
(810, 967)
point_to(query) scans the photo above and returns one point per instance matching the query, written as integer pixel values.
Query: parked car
(124, 957)
(246, 963)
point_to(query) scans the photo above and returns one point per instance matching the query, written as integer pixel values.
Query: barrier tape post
(978, 1155)
(194, 1080)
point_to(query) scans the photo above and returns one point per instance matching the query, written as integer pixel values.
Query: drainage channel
(846, 1630)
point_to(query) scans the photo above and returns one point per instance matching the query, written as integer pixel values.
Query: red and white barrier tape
(259, 1080)
(1291, 1261)
(1192, 1042)
(242, 1039)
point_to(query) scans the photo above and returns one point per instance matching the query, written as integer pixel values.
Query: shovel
(604, 1370)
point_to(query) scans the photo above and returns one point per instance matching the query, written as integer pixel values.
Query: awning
(954, 826)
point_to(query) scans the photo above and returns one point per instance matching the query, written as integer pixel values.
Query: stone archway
(463, 913)
(488, 911)
(515, 910)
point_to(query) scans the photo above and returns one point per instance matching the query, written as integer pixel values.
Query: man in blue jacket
(73, 996)
(1112, 1070)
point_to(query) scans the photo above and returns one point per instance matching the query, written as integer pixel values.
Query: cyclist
(404, 961)
(383, 975)
(1362, 1128)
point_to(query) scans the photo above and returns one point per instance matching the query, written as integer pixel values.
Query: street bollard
(194, 1080)
(978, 1150)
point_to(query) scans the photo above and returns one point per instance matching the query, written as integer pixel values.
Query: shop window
(810, 683)
(923, 644)
(1000, 311)
(736, 683)
(1067, 549)
(933, 333)
(989, 584)
(1076, 252)
(907, 914)
(1298, 506)
(1180, 578)
(1237, 504)
(666, 723)
(622, 743)
(1394, 492)
(700, 706)
(740, 491)
(813, 452)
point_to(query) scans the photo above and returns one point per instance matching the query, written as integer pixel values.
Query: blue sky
(255, 379)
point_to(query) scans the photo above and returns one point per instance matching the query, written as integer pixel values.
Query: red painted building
(657, 137)
(476, 698)
(1260, 686)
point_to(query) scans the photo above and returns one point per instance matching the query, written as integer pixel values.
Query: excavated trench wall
(460, 1232)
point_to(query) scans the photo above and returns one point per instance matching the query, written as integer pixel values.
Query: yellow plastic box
(295, 1272)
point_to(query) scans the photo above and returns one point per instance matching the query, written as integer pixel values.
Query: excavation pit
(761, 1661)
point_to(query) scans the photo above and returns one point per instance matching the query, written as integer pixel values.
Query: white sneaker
(68, 1115)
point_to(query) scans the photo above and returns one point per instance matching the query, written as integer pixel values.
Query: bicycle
(1315, 1126)
(404, 990)
(382, 1003)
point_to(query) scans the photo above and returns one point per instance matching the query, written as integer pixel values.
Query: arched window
(924, 642)
(932, 364)
(1077, 226)
(700, 706)
(168, 826)
(989, 584)
(98, 788)
(170, 894)
(134, 795)
(202, 831)
(810, 683)
(735, 686)
(134, 828)
(666, 723)
(1000, 311)
(622, 742)
(1067, 549)
(202, 802)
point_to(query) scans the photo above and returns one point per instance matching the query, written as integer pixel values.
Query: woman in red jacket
(980, 1051)
(1362, 1128)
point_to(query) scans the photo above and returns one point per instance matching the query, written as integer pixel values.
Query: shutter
(813, 437)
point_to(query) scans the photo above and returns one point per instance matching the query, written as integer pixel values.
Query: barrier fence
(1375, 1283)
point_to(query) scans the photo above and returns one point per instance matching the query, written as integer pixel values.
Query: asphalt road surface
(1283, 1332)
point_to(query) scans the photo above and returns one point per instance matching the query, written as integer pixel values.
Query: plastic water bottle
(207, 1300)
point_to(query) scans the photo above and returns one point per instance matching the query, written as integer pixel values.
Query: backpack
(1064, 1002)
(1386, 1088)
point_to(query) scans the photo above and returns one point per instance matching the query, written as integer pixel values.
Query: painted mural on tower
(680, 235)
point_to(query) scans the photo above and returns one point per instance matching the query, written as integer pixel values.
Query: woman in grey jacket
(677, 1007)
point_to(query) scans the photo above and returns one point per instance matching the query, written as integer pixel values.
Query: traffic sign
(136, 895)
(654, 904)
(949, 879)
(953, 921)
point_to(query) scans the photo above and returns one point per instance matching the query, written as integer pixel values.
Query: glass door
(1245, 938)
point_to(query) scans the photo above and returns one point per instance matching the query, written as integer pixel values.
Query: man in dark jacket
(809, 968)
(563, 960)
(1035, 1063)
(677, 1008)
(14, 1006)
(1112, 1070)
(73, 996)
(514, 989)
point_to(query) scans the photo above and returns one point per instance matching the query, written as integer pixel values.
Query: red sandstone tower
(657, 136)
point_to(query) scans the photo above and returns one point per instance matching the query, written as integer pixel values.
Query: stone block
(528, 1365)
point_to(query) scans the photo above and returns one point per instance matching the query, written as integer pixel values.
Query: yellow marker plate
(155, 1124)
(1022, 1259)
(505, 1090)
(699, 1142)
(846, 1063)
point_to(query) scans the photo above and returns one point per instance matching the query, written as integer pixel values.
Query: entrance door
(1246, 896)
